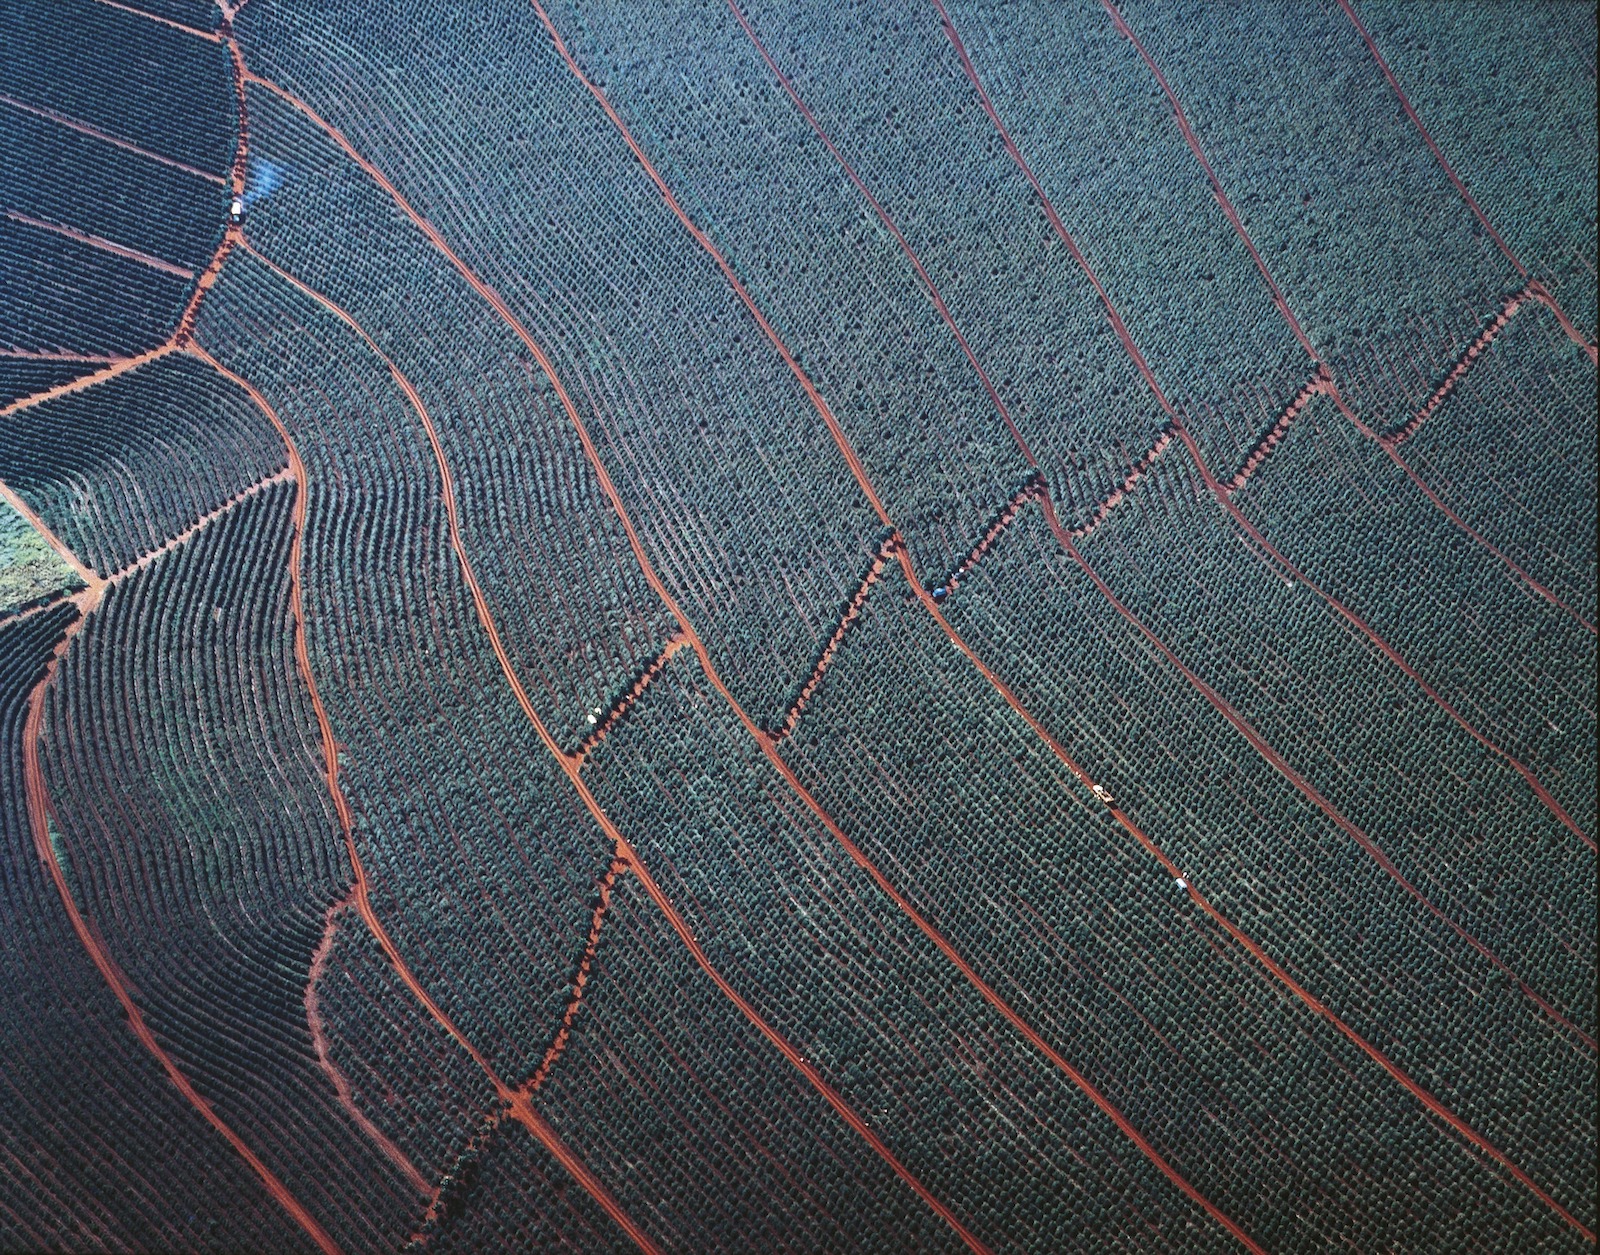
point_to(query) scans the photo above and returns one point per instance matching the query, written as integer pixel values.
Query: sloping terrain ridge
(735, 626)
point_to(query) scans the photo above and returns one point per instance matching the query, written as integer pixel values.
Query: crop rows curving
(118, 469)
(767, 627)
(1066, 913)
(1519, 666)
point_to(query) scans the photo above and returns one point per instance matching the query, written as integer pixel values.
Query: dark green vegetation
(931, 625)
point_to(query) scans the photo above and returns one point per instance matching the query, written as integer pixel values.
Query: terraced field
(733, 626)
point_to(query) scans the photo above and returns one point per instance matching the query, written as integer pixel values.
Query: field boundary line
(1263, 448)
(1465, 361)
(497, 303)
(1360, 624)
(831, 646)
(283, 476)
(1388, 445)
(1252, 947)
(1136, 472)
(1319, 382)
(518, 1105)
(1533, 290)
(212, 37)
(324, 1049)
(521, 1103)
(765, 742)
(1311, 793)
(1211, 482)
(102, 244)
(93, 132)
(998, 523)
(603, 887)
(1541, 292)
(1144, 368)
(119, 366)
(40, 811)
(625, 703)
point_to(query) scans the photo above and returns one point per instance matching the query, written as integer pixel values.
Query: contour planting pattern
(925, 626)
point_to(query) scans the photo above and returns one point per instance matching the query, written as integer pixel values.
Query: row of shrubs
(1277, 865)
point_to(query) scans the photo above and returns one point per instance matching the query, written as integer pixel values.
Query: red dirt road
(517, 1104)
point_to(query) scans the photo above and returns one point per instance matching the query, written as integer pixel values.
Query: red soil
(1312, 387)
(1211, 177)
(104, 245)
(118, 366)
(1540, 291)
(319, 1042)
(1464, 363)
(208, 36)
(1135, 474)
(1306, 788)
(40, 813)
(591, 944)
(286, 475)
(1122, 334)
(889, 224)
(516, 1103)
(570, 764)
(626, 701)
(765, 741)
(1238, 934)
(1388, 651)
(83, 128)
(1533, 291)
(852, 612)
(1388, 444)
(1211, 482)
(996, 529)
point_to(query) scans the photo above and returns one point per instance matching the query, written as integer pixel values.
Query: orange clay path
(1318, 383)
(1388, 446)
(1121, 331)
(83, 128)
(1083, 777)
(1221, 494)
(626, 701)
(320, 1043)
(765, 740)
(591, 946)
(517, 1104)
(102, 244)
(1533, 291)
(39, 807)
(39, 817)
(1266, 960)
(1260, 745)
(209, 36)
(852, 612)
(570, 765)
(1542, 293)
